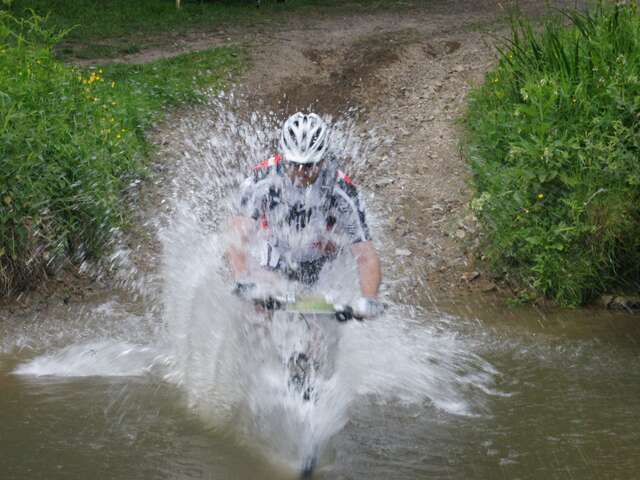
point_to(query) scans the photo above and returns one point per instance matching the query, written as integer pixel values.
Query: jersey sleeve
(351, 217)
(255, 190)
(248, 203)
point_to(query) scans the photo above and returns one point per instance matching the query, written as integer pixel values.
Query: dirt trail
(409, 74)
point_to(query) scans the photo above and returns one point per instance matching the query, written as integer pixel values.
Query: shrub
(72, 140)
(553, 138)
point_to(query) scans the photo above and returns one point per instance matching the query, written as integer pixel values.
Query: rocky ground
(408, 74)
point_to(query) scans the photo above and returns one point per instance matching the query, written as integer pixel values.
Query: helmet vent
(304, 138)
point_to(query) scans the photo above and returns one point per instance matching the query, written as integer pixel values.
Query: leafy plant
(71, 141)
(554, 141)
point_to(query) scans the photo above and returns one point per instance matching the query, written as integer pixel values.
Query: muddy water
(123, 390)
(562, 404)
(174, 384)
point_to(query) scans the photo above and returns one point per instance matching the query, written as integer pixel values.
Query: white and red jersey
(304, 223)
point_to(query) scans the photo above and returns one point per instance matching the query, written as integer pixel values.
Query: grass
(553, 138)
(73, 140)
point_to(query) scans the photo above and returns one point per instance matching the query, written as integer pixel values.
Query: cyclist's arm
(369, 269)
(351, 220)
(240, 229)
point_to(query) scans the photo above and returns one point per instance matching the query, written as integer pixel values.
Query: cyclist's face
(303, 175)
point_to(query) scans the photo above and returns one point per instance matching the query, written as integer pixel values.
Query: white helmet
(304, 138)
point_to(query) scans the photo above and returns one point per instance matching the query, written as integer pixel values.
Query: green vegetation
(554, 144)
(72, 140)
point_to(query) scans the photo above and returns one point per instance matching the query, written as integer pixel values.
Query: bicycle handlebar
(342, 313)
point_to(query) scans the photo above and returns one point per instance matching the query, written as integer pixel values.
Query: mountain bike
(305, 330)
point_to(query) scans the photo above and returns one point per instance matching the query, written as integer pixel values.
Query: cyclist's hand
(368, 308)
(245, 291)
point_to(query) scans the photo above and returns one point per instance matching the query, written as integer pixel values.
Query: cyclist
(303, 211)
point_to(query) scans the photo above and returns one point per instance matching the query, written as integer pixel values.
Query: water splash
(231, 366)
(229, 374)
(94, 359)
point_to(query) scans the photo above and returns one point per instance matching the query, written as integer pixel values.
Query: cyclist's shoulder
(344, 185)
(266, 169)
(346, 197)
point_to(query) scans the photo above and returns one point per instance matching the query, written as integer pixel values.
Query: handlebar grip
(269, 303)
(347, 314)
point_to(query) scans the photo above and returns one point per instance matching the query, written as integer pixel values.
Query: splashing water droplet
(232, 364)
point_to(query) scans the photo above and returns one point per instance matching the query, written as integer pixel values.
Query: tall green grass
(71, 141)
(554, 144)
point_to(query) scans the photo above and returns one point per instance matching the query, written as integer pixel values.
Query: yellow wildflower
(541, 196)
